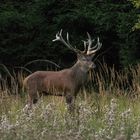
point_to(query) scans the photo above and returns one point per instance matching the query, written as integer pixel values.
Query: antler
(90, 49)
(60, 38)
(87, 49)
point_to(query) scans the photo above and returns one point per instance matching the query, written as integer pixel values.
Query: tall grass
(125, 82)
(108, 110)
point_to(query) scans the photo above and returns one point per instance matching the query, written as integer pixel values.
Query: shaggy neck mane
(79, 72)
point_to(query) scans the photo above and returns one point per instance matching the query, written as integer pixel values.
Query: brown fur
(66, 82)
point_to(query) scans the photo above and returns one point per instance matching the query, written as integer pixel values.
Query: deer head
(84, 58)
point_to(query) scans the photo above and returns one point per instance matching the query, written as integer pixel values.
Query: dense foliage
(28, 27)
(137, 5)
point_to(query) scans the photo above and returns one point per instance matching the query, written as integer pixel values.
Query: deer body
(66, 82)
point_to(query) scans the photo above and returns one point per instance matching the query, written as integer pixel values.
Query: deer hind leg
(32, 96)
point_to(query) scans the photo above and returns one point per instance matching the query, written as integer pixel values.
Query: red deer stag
(66, 82)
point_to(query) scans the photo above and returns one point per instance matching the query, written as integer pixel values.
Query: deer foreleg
(70, 100)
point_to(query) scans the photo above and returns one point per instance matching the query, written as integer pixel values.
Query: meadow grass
(108, 110)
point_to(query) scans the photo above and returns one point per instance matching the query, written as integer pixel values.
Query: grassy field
(108, 110)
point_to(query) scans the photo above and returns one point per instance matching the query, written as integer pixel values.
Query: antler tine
(60, 38)
(95, 48)
(68, 39)
(89, 36)
(57, 37)
(85, 46)
(61, 32)
(89, 41)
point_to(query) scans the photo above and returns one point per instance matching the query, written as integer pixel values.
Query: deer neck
(78, 67)
(79, 72)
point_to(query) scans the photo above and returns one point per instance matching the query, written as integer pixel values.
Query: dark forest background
(27, 28)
